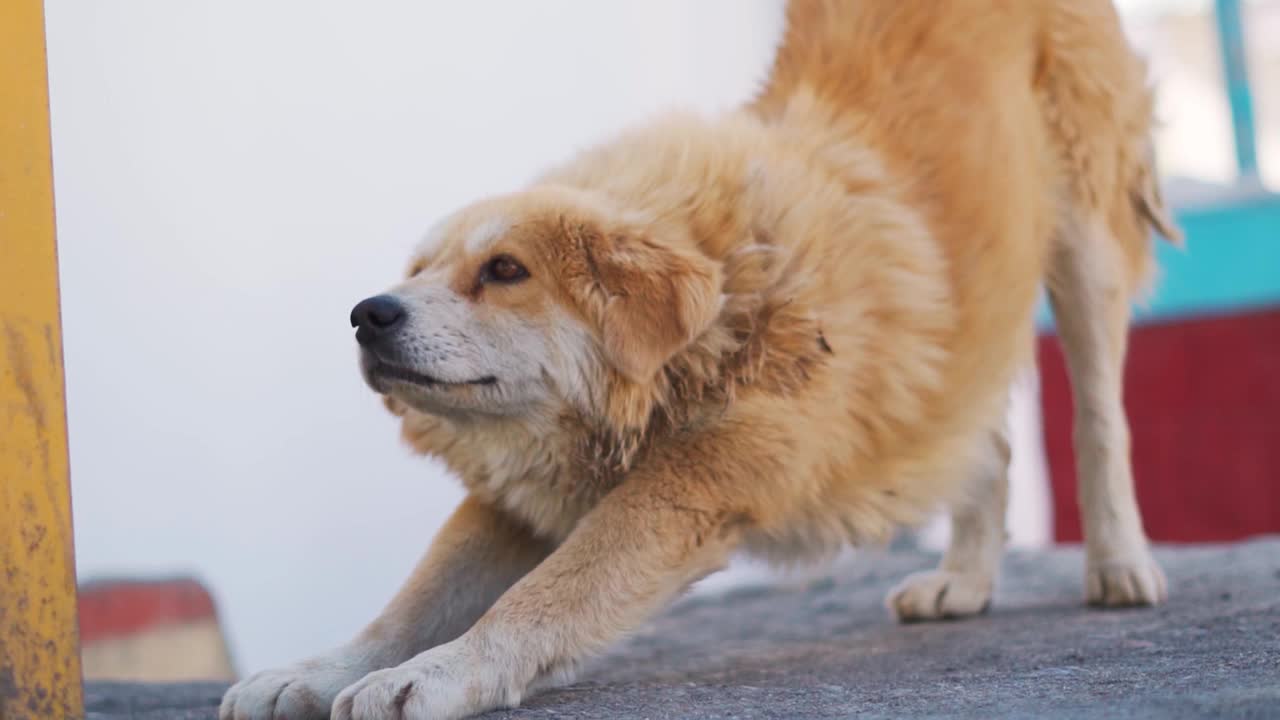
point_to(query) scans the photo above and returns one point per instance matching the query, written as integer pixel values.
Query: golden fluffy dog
(779, 331)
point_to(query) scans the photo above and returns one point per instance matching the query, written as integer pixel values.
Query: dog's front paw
(444, 683)
(1135, 580)
(304, 691)
(939, 594)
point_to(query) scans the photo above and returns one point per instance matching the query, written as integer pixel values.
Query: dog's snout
(376, 316)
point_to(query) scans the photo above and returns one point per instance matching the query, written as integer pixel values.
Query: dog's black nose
(376, 316)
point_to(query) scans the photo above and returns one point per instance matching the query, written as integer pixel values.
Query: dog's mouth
(394, 372)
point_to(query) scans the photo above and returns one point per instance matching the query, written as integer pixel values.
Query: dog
(780, 331)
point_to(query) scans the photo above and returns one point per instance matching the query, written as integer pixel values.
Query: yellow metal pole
(39, 653)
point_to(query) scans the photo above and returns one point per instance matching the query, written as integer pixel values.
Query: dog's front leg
(474, 558)
(641, 545)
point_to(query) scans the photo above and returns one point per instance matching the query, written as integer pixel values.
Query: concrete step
(827, 649)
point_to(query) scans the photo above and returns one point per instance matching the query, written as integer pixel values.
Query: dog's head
(528, 303)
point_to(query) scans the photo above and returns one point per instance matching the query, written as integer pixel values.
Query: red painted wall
(115, 609)
(1203, 398)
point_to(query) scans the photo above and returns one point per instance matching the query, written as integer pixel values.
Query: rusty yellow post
(39, 653)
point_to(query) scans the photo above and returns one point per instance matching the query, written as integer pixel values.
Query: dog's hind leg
(1098, 110)
(964, 580)
(1090, 286)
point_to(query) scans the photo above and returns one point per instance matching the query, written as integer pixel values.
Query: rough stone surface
(827, 649)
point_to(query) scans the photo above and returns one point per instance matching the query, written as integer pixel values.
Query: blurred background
(231, 177)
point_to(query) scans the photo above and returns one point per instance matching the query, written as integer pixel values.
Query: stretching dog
(779, 331)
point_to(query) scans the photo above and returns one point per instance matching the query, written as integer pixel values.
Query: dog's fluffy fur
(780, 331)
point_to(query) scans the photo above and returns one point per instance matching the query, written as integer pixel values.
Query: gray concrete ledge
(827, 649)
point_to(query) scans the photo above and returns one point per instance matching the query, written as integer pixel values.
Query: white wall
(231, 177)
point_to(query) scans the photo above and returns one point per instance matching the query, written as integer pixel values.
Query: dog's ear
(649, 300)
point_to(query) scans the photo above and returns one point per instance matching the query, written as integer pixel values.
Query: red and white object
(155, 631)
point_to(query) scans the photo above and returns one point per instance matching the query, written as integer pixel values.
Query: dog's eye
(503, 269)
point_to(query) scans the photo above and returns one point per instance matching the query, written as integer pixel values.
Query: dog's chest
(536, 480)
(549, 478)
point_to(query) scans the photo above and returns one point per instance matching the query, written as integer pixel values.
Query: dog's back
(1007, 121)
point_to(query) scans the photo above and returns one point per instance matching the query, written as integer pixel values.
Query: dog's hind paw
(939, 595)
(1125, 583)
